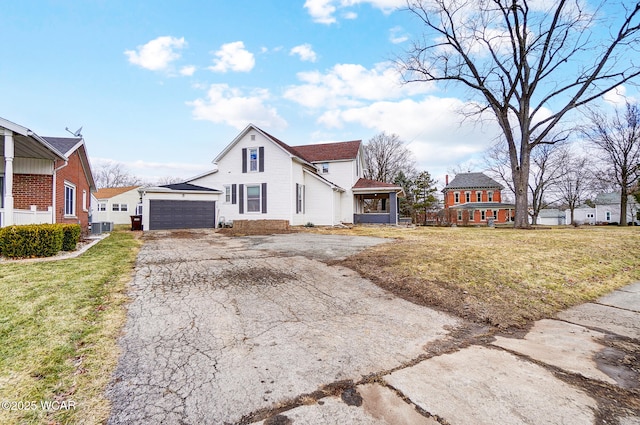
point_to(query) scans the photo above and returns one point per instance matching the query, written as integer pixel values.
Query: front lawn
(59, 323)
(503, 277)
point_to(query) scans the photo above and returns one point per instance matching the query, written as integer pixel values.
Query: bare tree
(617, 138)
(575, 183)
(113, 174)
(546, 172)
(385, 156)
(527, 63)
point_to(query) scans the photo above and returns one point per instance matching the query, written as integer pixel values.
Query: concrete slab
(610, 319)
(629, 420)
(479, 385)
(634, 287)
(330, 410)
(628, 300)
(377, 405)
(216, 331)
(565, 345)
(383, 403)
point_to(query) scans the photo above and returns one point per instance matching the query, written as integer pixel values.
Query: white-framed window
(115, 207)
(119, 207)
(84, 201)
(483, 215)
(253, 198)
(253, 159)
(478, 196)
(489, 196)
(139, 209)
(299, 198)
(459, 215)
(324, 167)
(467, 197)
(102, 206)
(69, 199)
(124, 207)
(227, 194)
(495, 214)
(471, 214)
(607, 215)
(456, 197)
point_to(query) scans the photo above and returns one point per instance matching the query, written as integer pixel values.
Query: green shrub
(31, 240)
(71, 236)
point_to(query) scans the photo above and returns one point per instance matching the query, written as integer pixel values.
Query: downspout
(55, 175)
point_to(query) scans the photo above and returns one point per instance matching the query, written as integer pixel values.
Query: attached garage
(179, 206)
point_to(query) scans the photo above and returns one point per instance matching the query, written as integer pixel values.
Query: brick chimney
(446, 180)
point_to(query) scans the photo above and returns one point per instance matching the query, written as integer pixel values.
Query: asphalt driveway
(229, 330)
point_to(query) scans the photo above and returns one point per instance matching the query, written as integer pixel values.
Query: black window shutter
(234, 194)
(244, 160)
(241, 200)
(297, 198)
(261, 159)
(264, 198)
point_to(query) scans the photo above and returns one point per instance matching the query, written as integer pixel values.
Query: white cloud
(618, 96)
(233, 57)
(433, 128)
(323, 11)
(157, 54)
(351, 85)
(231, 106)
(305, 52)
(188, 70)
(397, 35)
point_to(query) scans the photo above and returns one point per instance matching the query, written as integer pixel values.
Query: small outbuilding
(179, 206)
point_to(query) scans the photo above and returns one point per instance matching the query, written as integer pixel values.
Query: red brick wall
(32, 189)
(73, 173)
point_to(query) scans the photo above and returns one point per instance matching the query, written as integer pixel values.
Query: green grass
(504, 277)
(59, 323)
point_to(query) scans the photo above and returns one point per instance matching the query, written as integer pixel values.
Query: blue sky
(164, 86)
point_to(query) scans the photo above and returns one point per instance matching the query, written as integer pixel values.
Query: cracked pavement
(260, 330)
(221, 328)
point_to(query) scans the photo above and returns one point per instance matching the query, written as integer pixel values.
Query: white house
(115, 204)
(258, 176)
(606, 210)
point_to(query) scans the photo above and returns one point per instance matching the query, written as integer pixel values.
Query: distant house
(606, 210)
(116, 204)
(258, 176)
(43, 179)
(551, 217)
(475, 198)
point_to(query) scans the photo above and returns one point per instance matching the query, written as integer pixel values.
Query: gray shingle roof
(473, 181)
(63, 144)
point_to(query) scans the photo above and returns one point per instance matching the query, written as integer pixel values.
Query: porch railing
(28, 217)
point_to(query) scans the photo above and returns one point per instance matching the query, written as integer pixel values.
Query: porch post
(393, 208)
(8, 177)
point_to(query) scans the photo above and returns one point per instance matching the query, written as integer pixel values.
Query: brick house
(475, 198)
(43, 179)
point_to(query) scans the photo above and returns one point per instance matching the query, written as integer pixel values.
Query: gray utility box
(101, 226)
(107, 226)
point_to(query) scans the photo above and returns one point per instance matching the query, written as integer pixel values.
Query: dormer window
(324, 167)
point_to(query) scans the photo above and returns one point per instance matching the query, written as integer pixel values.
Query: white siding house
(258, 176)
(115, 204)
(606, 210)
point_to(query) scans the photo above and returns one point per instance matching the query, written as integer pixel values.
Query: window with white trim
(456, 197)
(471, 214)
(69, 199)
(253, 198)
(607, 215)
(115, 207)
(84, 200)
(227, 194)
(324, 167)
(459, 215)
(489, 196)
(253, 159)
(124, 207)
(102, 206)
(483, 215)
(467, 196)
(478, 196)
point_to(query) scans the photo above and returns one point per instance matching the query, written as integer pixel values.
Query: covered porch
(376, 202)
(26, 176)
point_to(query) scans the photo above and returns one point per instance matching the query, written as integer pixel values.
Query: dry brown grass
(503, 277)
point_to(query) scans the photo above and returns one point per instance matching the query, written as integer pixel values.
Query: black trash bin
(136, 222)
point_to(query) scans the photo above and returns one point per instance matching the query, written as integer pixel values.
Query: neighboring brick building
(474, 198)
(43, 179)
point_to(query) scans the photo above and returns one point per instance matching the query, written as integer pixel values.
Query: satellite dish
(77, 133)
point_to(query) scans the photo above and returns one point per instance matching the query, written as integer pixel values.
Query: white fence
(28, 217)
